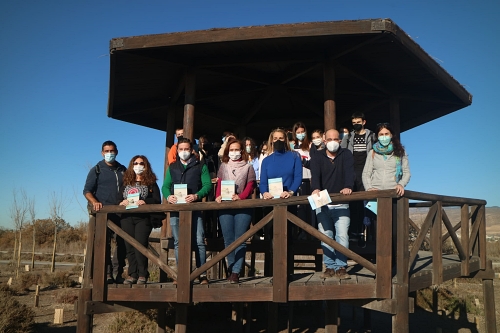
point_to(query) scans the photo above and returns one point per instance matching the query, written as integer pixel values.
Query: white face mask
(138, 169)
(317, 142)
(234, 155)
(184, 155)
(332, 146)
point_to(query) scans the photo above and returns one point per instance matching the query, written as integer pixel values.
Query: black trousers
(357, 208)
(140, 228)
(116, 262)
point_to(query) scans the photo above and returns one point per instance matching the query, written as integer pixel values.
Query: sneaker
(142, 280)
(119, 279)
(203, 279)
(341, 273)
(110, 280)
(130, 280)
(328, 273)
(234, 278)
(174, 282)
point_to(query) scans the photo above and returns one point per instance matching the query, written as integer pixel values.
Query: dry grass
(67, 296)
(59, 279)
(447, 301)
(134, 322)
(14, 316)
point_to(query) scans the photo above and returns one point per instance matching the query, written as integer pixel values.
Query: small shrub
(134, 322)
(14, 317)
(58, 279)
(66, 296)
(27, 280)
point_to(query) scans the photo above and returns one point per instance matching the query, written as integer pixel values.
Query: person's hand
(267, 195)
(285, 195)
(346, 191)
(141, 202)
(172, 199)
(123, 203)
(372, 189)
(235, 197)
(219, 199)
(316, 192)
(400, 190)
(96, 206)
(191, 198)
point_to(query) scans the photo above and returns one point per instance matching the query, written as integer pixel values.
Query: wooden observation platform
(251, 80)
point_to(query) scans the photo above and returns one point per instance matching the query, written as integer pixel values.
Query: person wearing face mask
(263, 152)
(359, 142)
(102, 188)
(188, 170)
(332, 169)
(139, 178)
(387, 165)
(282, 162)
(235, 222)
(251, 150)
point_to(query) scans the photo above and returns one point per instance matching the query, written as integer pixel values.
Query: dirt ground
(308, 316)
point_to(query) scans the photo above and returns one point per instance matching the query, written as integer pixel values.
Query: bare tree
(31, 210)
(18, 213)
(57, 205)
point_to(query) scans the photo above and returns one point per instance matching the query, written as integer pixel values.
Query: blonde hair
(270, 146)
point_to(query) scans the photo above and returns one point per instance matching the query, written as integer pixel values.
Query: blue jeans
(339, 218)
(197, 240)
(234, 223)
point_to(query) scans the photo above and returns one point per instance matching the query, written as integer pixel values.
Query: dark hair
(185, 140)
(399, 149)
(264, 143)
(317, 131)
(305, 143)
(230, 141)
(148, 176)
(358, 115)
(253, 150)
(108, 143)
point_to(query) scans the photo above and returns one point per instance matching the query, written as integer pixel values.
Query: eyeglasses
(138, 163)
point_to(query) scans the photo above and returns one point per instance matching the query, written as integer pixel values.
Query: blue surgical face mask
(384, 140)
(109, 157)
(300, 136)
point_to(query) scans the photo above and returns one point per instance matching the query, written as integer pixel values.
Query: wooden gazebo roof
(252, 79)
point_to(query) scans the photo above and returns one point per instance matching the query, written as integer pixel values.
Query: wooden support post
(84, 321)
(384, 249)
(248, 316)
(329, 107)
(189, 101)
(181, 318)
(37, 295)
(464, 229)
(89, 253)
(400, 321)
(395, 118)
(26, 268)
(437, 245)
(184, 255)
(280, 269)
(272, 317)
(482, 237)
(59, 316)
(332, 317)
(489, 302)
(161, 320)
(100, 289)
(9, 282)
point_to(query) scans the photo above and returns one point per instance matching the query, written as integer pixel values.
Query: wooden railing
(392, 219)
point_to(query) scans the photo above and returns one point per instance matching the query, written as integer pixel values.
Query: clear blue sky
(54, 74)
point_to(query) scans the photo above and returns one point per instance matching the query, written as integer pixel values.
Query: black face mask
(357, 127)
(279, 145)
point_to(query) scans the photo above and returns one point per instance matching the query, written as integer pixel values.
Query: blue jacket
(105, 184)
(287, 165)
(335, 176)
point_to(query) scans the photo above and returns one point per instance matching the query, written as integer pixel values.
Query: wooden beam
(421, 235)
(242, 74)
(184, 255)
(280, 251)
(400, 320)
(84, 320)
(384, 248)
(99, 288)
(329, 107)
(454, 237)
(437, 246)
(464, 236)
(482, 238)
(296, 71)
(189, 101)
(474, 234)
(365, 80)
(417, 229)
(332, 317)
(89, 254)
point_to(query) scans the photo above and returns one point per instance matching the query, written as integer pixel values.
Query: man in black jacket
(332, 169)
(102, 188)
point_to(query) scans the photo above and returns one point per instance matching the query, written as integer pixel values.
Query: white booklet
(180, 192)
(227, 189)
(275, 187)
(319, 201)
(132, 197)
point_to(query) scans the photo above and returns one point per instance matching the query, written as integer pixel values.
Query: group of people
(337, 161)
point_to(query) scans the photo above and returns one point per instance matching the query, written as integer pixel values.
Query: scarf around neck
(237, 171)
(386, 151)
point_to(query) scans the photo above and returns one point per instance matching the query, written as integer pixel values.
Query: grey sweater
(380, 174)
